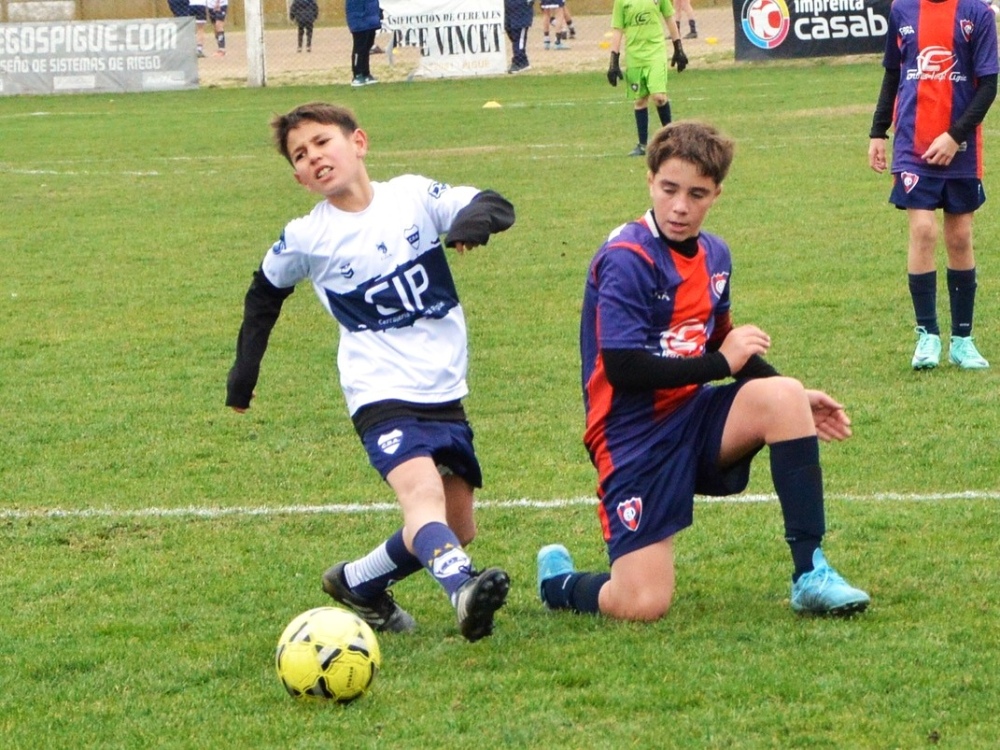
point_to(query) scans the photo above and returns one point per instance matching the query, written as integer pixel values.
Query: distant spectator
(199, 12)
(180, 8)
(554, 15)
(217, 15)
(684, 8)
(364, 19)
(304, 13)
(517, 18)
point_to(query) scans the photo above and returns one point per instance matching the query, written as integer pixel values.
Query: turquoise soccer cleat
(823, 591)
(553, 560)
(963, 352)
(928, 351)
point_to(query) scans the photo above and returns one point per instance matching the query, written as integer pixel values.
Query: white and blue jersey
(382, 273)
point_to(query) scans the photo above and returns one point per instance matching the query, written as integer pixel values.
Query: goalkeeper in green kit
(638, 23)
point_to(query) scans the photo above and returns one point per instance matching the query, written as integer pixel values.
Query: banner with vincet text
(454, 37)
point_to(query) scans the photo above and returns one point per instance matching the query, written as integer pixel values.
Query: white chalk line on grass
(355, 508)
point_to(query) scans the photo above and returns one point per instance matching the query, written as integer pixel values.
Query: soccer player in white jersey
(374, 255)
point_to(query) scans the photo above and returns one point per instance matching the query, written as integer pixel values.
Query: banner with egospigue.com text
(455, 37)
(97, 56)
(770, 29)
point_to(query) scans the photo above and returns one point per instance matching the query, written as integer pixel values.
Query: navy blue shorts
(652, 497)
(217, 15)
(955, 195)
(449, 443)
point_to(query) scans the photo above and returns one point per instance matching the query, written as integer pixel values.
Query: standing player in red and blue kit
(655, 331)
(940, 80)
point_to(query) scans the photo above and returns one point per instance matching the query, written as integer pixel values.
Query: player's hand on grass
(614, 69)
(832, 422)
(679, 59)
(876, 155)
(742, 343)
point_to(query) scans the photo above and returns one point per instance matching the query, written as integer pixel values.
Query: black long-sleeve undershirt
(960, 130)
(261, 308)
(487, 213)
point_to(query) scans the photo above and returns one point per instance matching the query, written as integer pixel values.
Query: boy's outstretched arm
(487, 213)
(261, 308)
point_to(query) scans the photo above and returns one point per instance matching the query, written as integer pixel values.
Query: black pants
(519, 46)
(307, 29)
(361, 54)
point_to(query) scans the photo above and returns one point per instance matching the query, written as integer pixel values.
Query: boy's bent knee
(640, 606)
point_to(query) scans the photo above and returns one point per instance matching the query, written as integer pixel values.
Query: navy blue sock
(664, 113)
(438, 550)
(576, 591)
(642, 124)
(383, 566)
(962, 297)
(923, 292)
(798, 480)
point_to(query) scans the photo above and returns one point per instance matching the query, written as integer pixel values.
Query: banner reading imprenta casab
(57, 57)
(767, 29)
(455, 37)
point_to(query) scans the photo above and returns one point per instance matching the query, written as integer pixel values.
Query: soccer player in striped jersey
(374, 256)
(939, 82)
(655, 334)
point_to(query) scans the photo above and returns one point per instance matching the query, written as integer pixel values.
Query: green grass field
(155, 544)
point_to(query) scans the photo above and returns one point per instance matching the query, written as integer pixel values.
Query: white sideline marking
(350, 508)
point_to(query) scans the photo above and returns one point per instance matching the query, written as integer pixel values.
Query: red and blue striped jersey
(941, 50)
(642, 295)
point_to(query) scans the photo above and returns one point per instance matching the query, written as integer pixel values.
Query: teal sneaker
(964, 353)
(553, 560)
(928, 351)
(823, 591)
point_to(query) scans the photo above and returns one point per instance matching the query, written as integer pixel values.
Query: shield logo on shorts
(910, 180)
(630, 512)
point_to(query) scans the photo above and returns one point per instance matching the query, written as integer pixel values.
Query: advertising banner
(97, 56)
(455, 37)
(776, 29)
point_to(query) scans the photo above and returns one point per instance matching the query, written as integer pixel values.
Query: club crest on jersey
(412, 236)
(967, 28)
(719, 281)
(630, 512)
(389, 442)
(910, 180)
(436, 190)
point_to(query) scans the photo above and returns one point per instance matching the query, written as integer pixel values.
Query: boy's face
(325, 159)
(681, 198)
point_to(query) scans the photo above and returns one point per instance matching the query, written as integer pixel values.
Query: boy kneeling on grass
(655, 332)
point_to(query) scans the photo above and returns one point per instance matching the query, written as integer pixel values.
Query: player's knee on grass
(645, 604)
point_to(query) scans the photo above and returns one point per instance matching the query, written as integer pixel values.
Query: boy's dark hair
(321, 112)
(699, 143)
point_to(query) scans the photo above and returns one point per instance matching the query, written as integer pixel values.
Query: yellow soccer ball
(327, 654)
